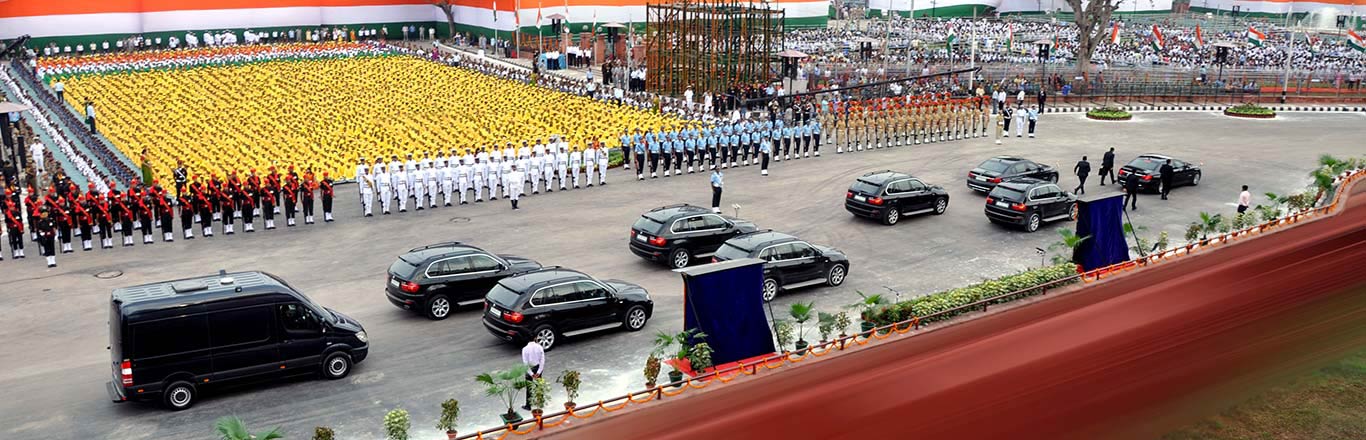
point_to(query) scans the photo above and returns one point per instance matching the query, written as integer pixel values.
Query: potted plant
(699, 357)
(396, 424)
(801, 313)
(677, 347)
(505, 384)
(868, 309)
(782, 330)
(323, 433)
(842, 322)
(651, 370)
(570, 380)
(233, 428)
(450, 410)
(540, 394)
(825, 324)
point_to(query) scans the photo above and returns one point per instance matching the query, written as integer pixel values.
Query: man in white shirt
(512, 188)
(60, 89)
(533, 356)
(1244, 200)
(38, 152)
(366, 185)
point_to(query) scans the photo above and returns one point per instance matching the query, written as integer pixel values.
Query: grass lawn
(1327, 404)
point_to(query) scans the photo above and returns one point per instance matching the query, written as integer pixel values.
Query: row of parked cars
(1020, 192)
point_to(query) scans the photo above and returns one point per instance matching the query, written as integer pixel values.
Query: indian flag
(1199, 38)
(1255, 37)
(1010, 36)
(1354, 40)
(1114, 33)
(953, 37)
(1157, 41)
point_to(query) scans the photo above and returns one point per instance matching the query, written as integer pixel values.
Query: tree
(447, 7)
(1091, 20)
(233, 428)
(1070, 241)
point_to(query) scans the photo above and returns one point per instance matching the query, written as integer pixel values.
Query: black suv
(545, 304)
(1029, 203)
(1147, 169)
(677, 234)
(887, 195)
(169, 341)
(789, 262)
(1001, 168)
(434, 279)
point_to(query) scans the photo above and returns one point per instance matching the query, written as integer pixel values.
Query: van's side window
(297, 318)
(169, 336)
(240, 326)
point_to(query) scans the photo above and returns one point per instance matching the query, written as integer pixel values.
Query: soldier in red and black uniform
(246, 201)
(267, 196)
(185, 202)
(142, 206)
(254, 186)
(31, 205)
(165, 213)
(306, 194)
(227, 198)
(47, 236)
(202, 206)
(325, 190)
(61, 214)
(276, 182)
(82, 218)
(291, 195)
(118, 213)
(14, 223)
(99, 211)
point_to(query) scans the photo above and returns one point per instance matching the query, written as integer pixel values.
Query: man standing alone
(1131, 192)
(533, 356)
(1107, 166)
(1167, 172)
(717, 181)
(1082, 170)
(512, 184)
(1244, 199)
(90, 115)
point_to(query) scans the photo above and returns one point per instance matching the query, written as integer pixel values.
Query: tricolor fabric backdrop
(85, 21)
(955, 8)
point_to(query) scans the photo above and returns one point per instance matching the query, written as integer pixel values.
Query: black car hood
(521, 263)
(743, 225)
(627, 289)
(831, 253)
(346, 322)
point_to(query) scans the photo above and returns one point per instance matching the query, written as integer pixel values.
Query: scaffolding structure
(710, 45)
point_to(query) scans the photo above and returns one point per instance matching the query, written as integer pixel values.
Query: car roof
(666, 213)
(1154, 156)
(884, 176)
(420, 254)
(528, 281)
(1008, 158)
(754, 240)
(197, 290)
(1021, 183)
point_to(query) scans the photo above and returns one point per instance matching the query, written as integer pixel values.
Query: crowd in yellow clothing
(326, 114)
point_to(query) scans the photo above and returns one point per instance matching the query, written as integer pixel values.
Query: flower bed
(933, 303)
(1250, 110)
(1109, 114)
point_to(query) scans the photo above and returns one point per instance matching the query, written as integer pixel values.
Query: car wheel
(438, 307)
(179, 395)
(1072, 212)
(336, 366)
(770, 289)
(1032, 224)
(1195, 181)
(1053, 178)
(544, 336)
(679, 258)
(635, 318)
(940, 205)
(836, 275)
(892, 216)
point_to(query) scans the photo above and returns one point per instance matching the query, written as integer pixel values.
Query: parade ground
(56, 319)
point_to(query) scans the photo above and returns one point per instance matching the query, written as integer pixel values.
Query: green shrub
(323, 433)
(396, 425)
(1109, 113)
(941, 301)
(1251, 108)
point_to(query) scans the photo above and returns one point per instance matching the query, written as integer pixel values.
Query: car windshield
(324, 311)
(1001, 192)
(402, 268)
(731, 252)
(502, 296)
(994, 165)
(864, 187)
(646, 224)
(1146, 163)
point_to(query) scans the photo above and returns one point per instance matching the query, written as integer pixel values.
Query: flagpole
(1289, 46)
(972, 60)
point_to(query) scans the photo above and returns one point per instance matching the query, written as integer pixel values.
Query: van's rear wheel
(336, 366)
(179, 395)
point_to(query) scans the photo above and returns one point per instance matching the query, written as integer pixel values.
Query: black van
(171, 339)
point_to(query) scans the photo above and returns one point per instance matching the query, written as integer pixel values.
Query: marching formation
(887, 122)
(65, 214)
(450, 177)
(741, 142)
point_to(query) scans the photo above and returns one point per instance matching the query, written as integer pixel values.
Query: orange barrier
(885, 332)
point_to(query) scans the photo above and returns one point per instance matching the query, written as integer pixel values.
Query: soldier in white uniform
(601, 154)
(495, 176)
(426, 162)
(535, 163)
(401, 179)
(562, 165)
(539, 149)
(575, 162)
(392, 168)
(509, 152)
(479, 170)
(419, 178)
(462, 180)
(366, 186)
(385, 183)
(548, 170)
(448, 176)
(433, 179)
(522, 153)
(590, 159)
(514, 183)
(495, 155)
(410, 167)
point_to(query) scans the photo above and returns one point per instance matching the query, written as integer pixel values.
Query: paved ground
(55, 319)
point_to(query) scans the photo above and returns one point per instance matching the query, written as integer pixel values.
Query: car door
(806, 264)
(445, 277)
(775, 266)
(1184, 174)
(301, 336)
(1017, 170)
(685, 229)
(1043, 200)
(918, 195)
(480, 274)
(243, 341)
(593, 303)
(713, 233)
(895, 195)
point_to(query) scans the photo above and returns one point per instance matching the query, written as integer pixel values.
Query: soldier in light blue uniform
(626, 148)
(691, 147)
(734, 147)
(744, 144)
(816, 135)
(638, 146)
(775, 133)
(787, 143)
(666, 150)
(806, 138)
(713, 145)
(679, 143)
(765, 151)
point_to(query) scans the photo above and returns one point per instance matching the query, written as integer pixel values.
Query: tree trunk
(450, 17)
(1092, 27)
